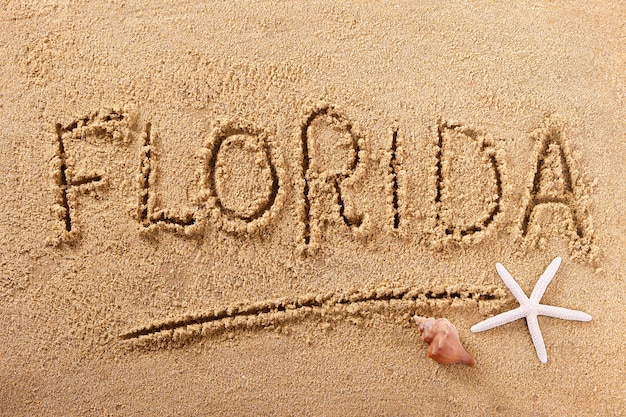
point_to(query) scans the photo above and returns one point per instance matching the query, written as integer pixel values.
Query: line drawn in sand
(266, 313)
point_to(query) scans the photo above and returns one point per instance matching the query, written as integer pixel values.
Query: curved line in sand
(325, 301)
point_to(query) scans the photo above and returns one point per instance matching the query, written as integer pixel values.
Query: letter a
(556, 190)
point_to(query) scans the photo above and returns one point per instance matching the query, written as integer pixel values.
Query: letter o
(238, 140)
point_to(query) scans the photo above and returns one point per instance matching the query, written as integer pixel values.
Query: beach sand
(225, 208)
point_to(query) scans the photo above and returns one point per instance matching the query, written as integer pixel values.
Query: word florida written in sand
(243, 175)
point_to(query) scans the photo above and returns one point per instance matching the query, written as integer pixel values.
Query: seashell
(444, 345)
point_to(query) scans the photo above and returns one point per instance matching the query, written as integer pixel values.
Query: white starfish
(530, 307)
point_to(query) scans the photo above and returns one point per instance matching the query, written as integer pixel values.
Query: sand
(235, 208)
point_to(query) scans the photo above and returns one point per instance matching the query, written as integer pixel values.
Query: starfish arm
(544, 280)
(499, 320)
(535, 334)
(562, 313)
(513, 286)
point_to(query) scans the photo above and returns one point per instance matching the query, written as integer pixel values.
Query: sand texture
(235, 208)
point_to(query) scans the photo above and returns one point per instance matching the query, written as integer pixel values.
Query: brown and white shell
(444, 345)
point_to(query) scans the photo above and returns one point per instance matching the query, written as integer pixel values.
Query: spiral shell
(444, 345)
